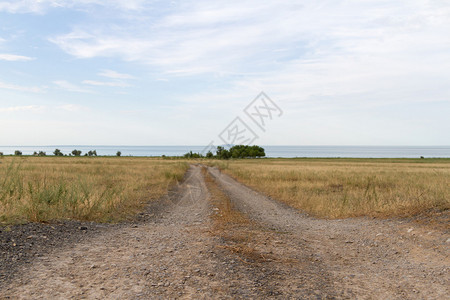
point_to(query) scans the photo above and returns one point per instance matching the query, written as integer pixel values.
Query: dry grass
(340, 188)
(238, 234)
(101, 189)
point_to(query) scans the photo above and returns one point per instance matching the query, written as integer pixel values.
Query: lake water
(271, 151)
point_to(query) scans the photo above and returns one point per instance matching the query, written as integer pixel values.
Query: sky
(136, 72)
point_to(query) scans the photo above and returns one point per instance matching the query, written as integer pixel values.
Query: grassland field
(110, 189)
(103, 189)
(341, 188)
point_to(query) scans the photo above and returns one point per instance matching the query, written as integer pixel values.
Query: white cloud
(41, 6)
(21, 88)
(85, 45)
(63, 84)
(315, 58)
(22, 6)
(32, 108)
(238, 37)
(13, 57)
(115, 75)
(73, 108)
(105, 83)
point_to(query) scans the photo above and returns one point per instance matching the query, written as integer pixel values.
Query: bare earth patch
(275, 252)
(366, 258)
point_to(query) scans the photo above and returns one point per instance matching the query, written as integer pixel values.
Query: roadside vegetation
(340, 188)
(105, 189)
(237, 151)
(58, 152)
(237, 233)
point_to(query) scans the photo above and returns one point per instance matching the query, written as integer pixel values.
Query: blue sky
(138, 72)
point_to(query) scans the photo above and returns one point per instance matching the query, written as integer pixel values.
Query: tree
(190, 154)
(18, 153)
(257, 151)
(76, 152)
(222, 153)
(118, 153)
(237, 151)
(42, 153)
(58, 152)
(1, 153)
(240, 151)
(243, 151)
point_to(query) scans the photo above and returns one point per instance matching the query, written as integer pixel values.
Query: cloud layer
(42, 6)
(229, 36)
(13, 57)
(334, 64)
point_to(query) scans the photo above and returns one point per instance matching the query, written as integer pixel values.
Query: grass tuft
(341, 188)
(238, 234)
(40, 189)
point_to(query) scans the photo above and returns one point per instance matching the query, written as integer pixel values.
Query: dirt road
(177, 253)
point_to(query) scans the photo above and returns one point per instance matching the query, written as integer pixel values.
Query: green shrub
(58, 152)
(76, 152)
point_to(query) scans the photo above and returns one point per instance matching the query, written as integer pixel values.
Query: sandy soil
(382, 259)
(175, 254)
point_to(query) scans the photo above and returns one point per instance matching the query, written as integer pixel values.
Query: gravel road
(173, 252)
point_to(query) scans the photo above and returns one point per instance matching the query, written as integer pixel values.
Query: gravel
(170, 251)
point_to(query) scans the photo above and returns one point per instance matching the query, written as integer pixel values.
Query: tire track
(367, 258)
(174, 252)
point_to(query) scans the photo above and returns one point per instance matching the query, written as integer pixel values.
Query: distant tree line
(58, 152)
(75, 152)
(237, 151)
(40, 153)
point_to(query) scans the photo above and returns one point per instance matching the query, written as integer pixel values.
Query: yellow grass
(95, 188)
(339, 188)
(237, 233)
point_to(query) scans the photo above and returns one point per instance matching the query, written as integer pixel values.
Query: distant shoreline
(271, 151)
